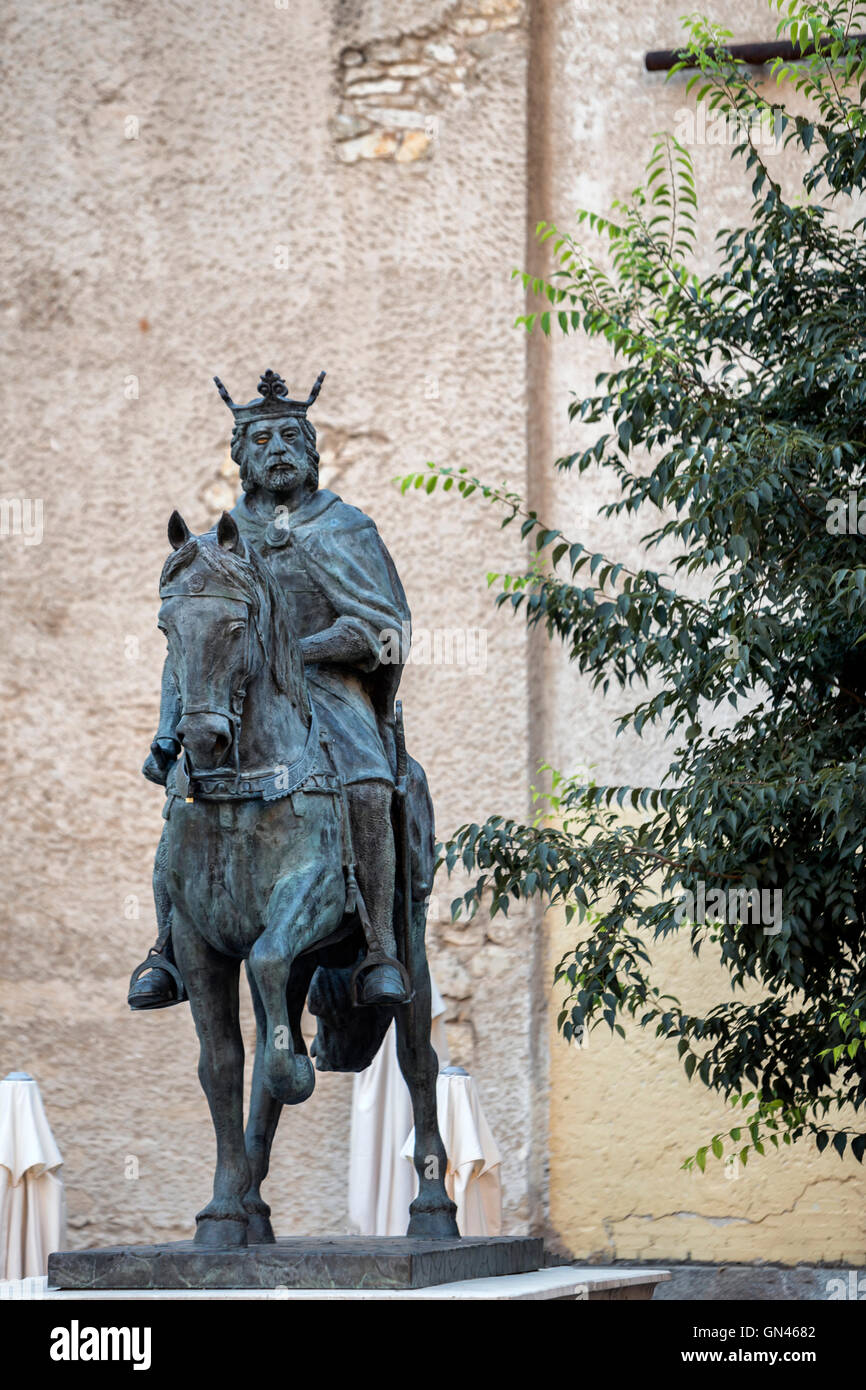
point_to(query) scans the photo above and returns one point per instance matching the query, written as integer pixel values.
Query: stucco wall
(176, 203)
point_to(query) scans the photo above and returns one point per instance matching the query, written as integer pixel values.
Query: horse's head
(224, 621)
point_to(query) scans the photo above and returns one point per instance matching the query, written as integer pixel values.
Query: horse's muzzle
(207, 738)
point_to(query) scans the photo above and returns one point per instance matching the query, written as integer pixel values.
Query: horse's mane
(246, 571)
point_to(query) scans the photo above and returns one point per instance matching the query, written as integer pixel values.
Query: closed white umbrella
(381, 1182)
(32, 1205)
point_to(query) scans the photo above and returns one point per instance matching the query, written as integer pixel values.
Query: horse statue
(258, 864)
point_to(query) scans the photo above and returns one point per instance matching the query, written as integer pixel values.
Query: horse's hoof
(290, 1079)
(259, 1230)
(433, 1225)
(220, 1233)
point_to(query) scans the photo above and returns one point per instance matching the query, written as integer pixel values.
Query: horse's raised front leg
(264, 1112)
(304, 907)
(212, 984)
(432, 1214)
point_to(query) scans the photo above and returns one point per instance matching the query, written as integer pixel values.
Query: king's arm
(349, 563)
(370, 634)
(165, 747)
(344, 643)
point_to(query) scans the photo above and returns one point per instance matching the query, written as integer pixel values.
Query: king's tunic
(334, 570)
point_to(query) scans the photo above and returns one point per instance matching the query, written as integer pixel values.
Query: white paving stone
(575, 1282)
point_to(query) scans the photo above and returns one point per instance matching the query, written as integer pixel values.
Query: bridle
(269, 785)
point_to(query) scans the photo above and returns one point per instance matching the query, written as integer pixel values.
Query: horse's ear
(178, 531)
(228, 534)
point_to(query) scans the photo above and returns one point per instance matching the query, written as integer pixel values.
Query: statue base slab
(346, 1262)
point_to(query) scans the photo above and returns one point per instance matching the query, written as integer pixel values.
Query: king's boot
(157, 983)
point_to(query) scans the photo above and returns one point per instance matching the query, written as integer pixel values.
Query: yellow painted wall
(622, 1116)
(622, 1119)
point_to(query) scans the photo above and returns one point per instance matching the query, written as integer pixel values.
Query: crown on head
(273, 399)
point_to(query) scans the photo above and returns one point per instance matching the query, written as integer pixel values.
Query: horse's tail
(422, 835)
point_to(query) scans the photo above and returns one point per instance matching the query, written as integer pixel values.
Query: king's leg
(375, 868)
(157, 988)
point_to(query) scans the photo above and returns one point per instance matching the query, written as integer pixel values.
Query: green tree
(735, 420)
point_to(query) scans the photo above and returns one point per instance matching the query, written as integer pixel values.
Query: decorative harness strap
(269, 785)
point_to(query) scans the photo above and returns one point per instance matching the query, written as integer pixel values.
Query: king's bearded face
(275, 456)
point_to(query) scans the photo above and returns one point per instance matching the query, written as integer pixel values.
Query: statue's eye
(290, 434)
(237, 627)
(261, 439)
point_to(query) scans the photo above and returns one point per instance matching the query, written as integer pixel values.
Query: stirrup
(380, 958)
(155, 960)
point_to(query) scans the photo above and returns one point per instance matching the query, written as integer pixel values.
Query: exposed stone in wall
(340, 449)
(463, 955)
(393, 90)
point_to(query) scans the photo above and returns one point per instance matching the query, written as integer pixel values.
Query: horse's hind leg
(432, 1214)
(212, 984)
(264, 1112)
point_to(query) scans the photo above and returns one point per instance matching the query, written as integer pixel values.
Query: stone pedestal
(350, 1262)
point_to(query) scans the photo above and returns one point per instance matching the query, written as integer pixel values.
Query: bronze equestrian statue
(298, 834)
